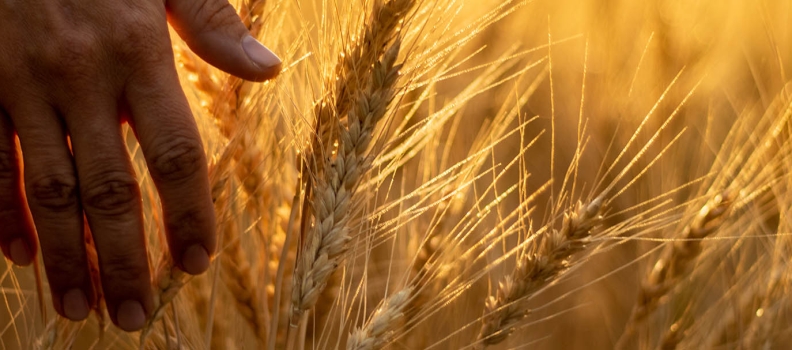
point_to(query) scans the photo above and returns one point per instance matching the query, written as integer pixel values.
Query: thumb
(214, 31)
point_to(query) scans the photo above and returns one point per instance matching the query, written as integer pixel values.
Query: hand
(70, 72)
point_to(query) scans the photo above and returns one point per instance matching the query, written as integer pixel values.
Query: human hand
(77, 69)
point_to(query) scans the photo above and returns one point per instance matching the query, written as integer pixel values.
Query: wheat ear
(333, 199)
(169, 281)
(334, 187)
(756, 315)
(382, 325)
(352, 74)
(380, 30)
(549, 258)
(225, 103)
(252, 14)
(675, 260)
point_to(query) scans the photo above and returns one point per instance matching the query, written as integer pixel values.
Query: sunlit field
(441, 174)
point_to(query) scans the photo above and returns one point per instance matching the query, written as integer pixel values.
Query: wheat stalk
(237, 272)
(333, 198)
(238, 278)
(549, 259)
(382, 325)
(380, 30)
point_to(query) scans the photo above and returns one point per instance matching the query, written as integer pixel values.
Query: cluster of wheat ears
(438, 174)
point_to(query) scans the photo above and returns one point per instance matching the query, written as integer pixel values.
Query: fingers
(112, 204)
(175, 157)
(52, 196)
(214, 31)
(17, 236)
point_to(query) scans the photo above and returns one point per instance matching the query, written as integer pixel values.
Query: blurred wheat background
(448, 174)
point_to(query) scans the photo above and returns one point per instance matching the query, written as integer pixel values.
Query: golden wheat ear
(169, 280)
(382, 325)
(548, 258)
(364, 89)
(674, 264)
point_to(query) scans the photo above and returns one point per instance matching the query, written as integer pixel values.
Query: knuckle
(53, 192)
(191, 222)
(140, 40)
(178, 160)
(8, 168)
(62, 262)
(111, 194)
(214, 15)
(124, 265)
(72, 54)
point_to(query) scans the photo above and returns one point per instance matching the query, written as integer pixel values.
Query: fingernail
(75, 305)
(131, 316)
(20, 254)
(259, 53)
(195, 259)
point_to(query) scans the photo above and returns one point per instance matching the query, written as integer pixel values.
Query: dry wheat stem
(429, 271)
(204, 301)
(547, 261)
(382, 325)
(237, 272)
(238, 279)
(281, 271)
(238, 276)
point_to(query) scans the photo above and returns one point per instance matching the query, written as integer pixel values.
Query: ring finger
(52, 195)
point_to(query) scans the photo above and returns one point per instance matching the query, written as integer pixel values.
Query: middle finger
(112, 203)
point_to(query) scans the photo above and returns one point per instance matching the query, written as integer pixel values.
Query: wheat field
(489, 174)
